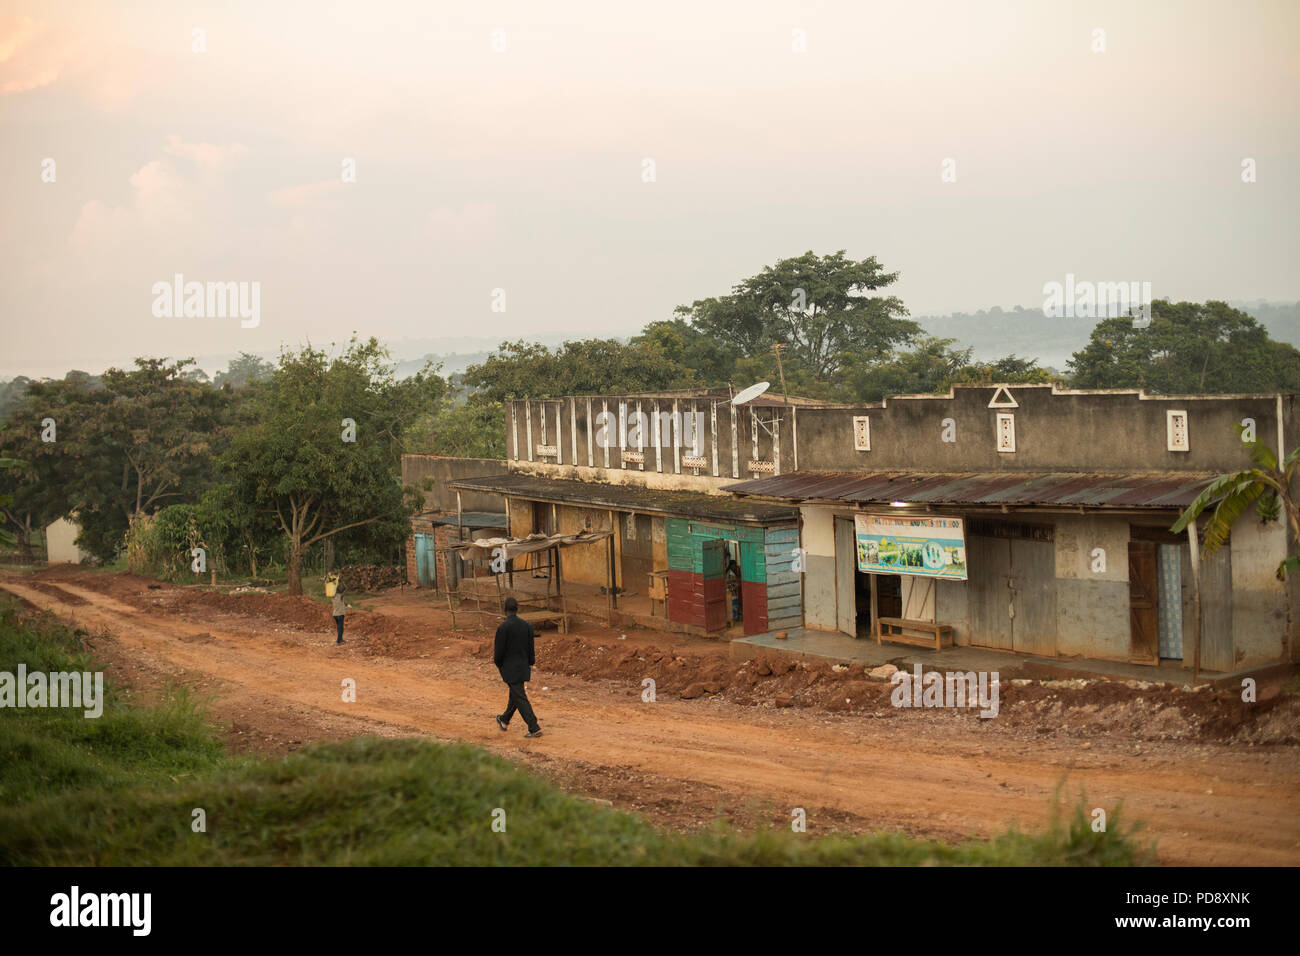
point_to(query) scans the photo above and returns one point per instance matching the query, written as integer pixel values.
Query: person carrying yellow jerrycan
(334, 590)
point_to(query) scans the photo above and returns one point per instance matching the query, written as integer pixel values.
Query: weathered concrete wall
(1092, 607)
(1054, 431)
(415, 468)
(560, 437)
(1258, 597)
(585, 563)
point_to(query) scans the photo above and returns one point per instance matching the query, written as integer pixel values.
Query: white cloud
(304, 194)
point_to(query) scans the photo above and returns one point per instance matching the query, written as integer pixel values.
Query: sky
(511, 169)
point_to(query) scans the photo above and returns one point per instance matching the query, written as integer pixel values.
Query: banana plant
(1267, 486)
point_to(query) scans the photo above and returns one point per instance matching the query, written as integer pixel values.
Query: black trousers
(338, 619)
(519, 702)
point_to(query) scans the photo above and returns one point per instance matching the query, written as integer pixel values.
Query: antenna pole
(776, 347)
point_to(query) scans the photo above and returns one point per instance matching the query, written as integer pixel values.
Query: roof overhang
(1069, 490)
(626, 497)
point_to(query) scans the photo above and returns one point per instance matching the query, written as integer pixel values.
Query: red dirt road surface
(1217, 782)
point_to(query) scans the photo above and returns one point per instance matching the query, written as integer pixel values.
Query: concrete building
(1035, 519)
(1027, 518)
(652, 466)
(61, 542)
(446, 516)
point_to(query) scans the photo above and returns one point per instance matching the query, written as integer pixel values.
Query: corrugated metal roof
(1132, 490)
(692, 504)
(473, 519)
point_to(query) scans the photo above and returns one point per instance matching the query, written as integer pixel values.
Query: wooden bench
(899, 630)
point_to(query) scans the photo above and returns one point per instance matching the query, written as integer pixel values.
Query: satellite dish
(751, 393)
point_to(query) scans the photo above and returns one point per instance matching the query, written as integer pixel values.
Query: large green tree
(323, 455)
(244, 369)
(1188, 348)
(122, 446)
(461, 428)
(590, 366)
(33, 492)
(824, 308)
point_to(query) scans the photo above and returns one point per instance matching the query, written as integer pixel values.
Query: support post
(1196, 601)
(609, 588)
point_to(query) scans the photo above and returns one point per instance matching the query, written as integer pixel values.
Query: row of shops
(1026, 518)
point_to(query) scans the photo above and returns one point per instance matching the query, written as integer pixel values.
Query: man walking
(514, 659)
(339, 608)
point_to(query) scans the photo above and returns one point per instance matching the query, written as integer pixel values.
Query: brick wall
(444, 535)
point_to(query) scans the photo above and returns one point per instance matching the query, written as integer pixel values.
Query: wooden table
(538, 618)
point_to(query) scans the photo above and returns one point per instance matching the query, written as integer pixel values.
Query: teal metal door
(424, 566)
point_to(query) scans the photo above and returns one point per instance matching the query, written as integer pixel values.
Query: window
(1176, 428)
(1006, 432)
(861, 433)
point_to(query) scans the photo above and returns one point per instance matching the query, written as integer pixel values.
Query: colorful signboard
(928, 546)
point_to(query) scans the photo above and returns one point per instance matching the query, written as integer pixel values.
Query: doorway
(1012, 586)
(425, 569)
(1143, 603)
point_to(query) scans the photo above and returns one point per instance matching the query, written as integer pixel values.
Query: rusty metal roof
(689, 504)
(1074, 489)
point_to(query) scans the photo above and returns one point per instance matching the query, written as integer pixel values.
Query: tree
(11, 395)
(1188, 348)
(324, 452)
(243, 370)
(688, 347)
(1010, 369)
(6, 498)
(472, 428)
(34, 491)
(817, 305)
(930, 367)
(588, 367)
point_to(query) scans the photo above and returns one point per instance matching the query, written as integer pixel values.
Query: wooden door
(990, 584)
(715, 584)
(1143, 603)
(637, 552)
(1033, 596)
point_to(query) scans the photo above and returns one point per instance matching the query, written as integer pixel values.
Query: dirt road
(683, 762)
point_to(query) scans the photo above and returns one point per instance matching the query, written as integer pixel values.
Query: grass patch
(121, 790)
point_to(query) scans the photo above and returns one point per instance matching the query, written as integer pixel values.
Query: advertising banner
(928, 546)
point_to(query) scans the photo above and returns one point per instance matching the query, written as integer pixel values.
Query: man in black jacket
(514, 659)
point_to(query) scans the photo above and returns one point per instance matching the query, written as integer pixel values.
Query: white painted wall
(60, 538)
(819, 575)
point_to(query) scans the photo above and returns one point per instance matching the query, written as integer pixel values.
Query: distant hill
(1028, 333)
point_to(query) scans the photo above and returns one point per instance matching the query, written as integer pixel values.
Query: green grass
(120, 790)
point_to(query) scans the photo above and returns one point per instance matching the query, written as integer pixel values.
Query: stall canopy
(485, 548)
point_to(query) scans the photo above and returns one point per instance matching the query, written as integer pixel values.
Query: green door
(424, 566)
